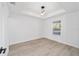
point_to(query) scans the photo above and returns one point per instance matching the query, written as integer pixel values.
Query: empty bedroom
(39, 28)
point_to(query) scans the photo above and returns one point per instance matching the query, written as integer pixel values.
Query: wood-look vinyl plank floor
(42, 47)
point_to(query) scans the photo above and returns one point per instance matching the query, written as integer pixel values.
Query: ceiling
(51, 8)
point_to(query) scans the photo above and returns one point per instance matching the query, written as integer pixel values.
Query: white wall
(3, 26)
(23, 28)
(70, 29)
(48, 27)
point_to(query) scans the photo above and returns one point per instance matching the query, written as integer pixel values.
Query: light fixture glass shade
(42, 12)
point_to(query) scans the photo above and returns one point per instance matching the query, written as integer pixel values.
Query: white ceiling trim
(52, 9)
(61, 11)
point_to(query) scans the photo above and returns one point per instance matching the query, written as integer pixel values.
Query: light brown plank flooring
(42, 47)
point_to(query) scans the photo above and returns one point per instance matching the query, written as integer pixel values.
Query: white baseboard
(23, 41)
(63, 42)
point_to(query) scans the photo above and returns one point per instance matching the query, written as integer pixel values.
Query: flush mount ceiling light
(42, 10)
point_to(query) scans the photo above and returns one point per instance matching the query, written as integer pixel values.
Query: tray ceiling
(51, 8)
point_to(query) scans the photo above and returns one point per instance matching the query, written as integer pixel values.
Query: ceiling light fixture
(42, 10)
(13, 3)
